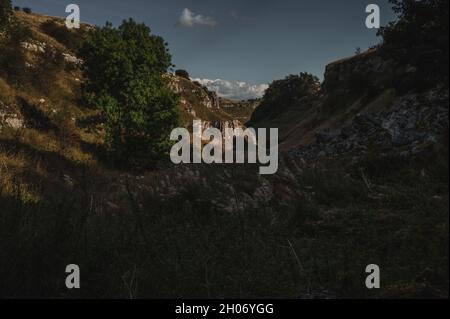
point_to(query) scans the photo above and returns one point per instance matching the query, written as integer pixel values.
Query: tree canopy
(124, 68)
(419, 38)
(287, 93)
(182, 73)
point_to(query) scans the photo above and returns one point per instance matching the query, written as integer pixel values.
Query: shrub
(13, 33)
(27, 10)
(182, 73)
(5, 14)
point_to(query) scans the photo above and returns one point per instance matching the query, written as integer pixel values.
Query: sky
(241, 45)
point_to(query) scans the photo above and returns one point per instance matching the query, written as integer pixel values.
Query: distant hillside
(197, 102)
(361, 95)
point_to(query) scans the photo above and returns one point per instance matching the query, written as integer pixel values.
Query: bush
(16, 8)
(182, 73)
(5, 14)
(27, 10)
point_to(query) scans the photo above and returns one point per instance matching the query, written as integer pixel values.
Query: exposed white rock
(34, 47)
(68, 58)
(12, 120)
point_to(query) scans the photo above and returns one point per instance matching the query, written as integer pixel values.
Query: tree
(182, 73)
(5, 15)
(291, 92)
(12, 34)
(124, 68)
(419, 38)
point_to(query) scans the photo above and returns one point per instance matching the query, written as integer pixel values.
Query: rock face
(222, 126)
(42, 47)
(35, 46)
(185, 87)
(10, 118)
(360, 110)
(198, 103)
(71, 59)
(360, 71)
(415, 122)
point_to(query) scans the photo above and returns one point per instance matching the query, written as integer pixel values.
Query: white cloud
(189, 19)
(234, 90)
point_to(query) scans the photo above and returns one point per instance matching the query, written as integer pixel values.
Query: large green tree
(124, 68)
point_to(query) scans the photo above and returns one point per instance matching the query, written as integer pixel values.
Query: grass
(130, 241)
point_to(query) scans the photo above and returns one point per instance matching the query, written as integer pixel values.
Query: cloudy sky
(244, 44)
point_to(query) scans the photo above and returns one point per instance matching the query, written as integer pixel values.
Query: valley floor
(224, 231)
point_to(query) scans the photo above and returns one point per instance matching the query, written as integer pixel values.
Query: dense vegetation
(124, 68)
(182, 73)
(291, 92)
(5, 14)
(12, 34)
(420, 39)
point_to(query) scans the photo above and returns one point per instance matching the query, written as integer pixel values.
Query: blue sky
(247, 40)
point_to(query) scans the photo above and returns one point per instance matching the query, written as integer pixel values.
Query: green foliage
(287, 93)
(5, 15)
(12, 34)
(124, 68)
(182, 73)
(420, 39)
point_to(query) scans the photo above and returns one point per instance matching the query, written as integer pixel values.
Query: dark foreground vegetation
(316, 243)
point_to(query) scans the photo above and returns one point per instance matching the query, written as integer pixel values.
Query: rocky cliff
(362, 109)
(198, 103)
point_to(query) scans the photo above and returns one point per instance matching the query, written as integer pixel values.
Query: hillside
(196, 101)
(359, 101)
(362, 178)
